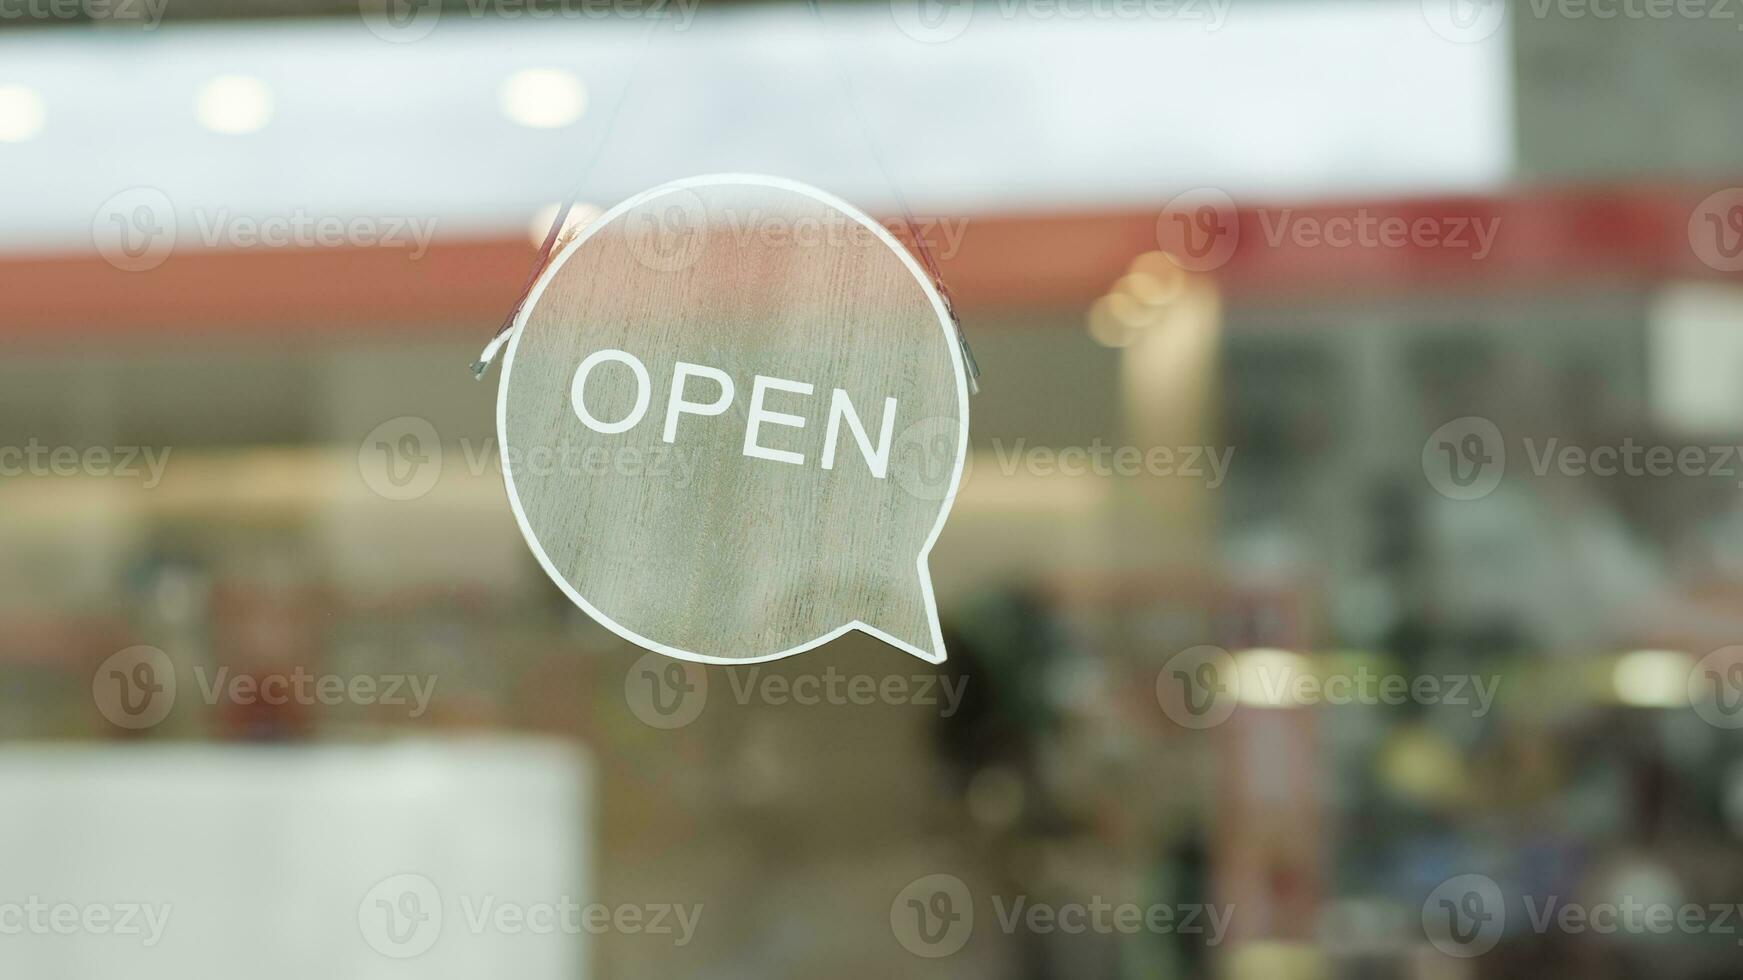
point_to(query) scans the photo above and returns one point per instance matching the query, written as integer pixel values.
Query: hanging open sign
(733, 419)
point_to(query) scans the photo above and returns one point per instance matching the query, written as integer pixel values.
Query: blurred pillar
(1169, 377)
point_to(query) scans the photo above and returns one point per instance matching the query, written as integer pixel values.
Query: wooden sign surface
(733, 418)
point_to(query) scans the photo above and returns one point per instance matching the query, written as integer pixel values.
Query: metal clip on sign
(554, 236)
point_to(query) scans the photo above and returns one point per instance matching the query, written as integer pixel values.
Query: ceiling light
(21, 113)
(543, 98)
(233, 104)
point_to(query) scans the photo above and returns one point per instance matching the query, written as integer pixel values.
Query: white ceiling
(1019, 112)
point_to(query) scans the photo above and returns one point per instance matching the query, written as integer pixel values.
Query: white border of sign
(950, 342)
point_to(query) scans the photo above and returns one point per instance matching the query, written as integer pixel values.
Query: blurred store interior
(1273, 248)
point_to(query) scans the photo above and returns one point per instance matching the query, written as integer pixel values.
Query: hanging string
(925, 251)
(556, 231)
(927, 259)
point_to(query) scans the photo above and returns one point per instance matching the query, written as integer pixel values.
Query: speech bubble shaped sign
(702, 414)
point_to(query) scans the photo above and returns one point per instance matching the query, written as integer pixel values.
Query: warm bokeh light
(1150, 290)
(543, 98)
(1138, 301)
(1107, 329)
(1268, 677)
(234, 104)
(1653, 678)
(22, 113)
(580, 216)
